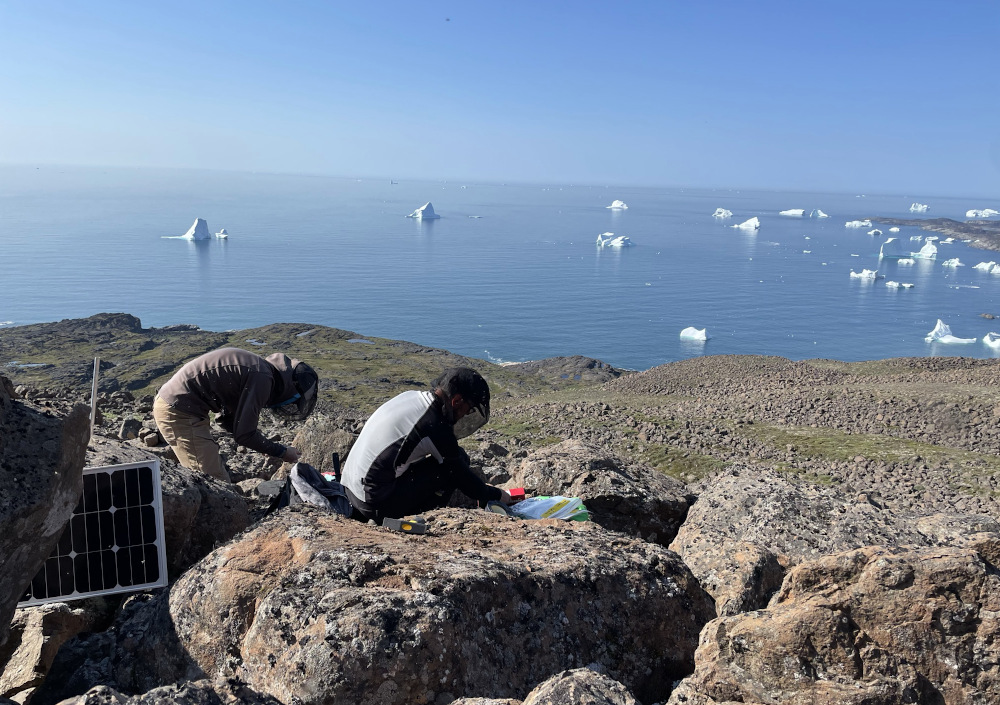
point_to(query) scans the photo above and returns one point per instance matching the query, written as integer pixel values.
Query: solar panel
(113, 542)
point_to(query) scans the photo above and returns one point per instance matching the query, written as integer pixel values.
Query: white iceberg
(985, 213)
(942, 334)
(875, 232)
(751, 224)
(692, 333)
(898, 285)
(722, 213)
(222, 234)
(928, 251)
(996, 269)
(425, 212)
(858, 224)
(906, 260)
(931, 238)
(985, 266)
(198, 231)
(992, 340)
(618, 206)
(916, 238)
(947, 241)
(866, 274)
(892, 249)
(918, 207)
(953, 262)
(818, 214)
(893, 230)
(609, 240)
(793, 211)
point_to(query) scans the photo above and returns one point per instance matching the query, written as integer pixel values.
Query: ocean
(510, 272)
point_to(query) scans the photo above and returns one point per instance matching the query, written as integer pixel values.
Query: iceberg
(996, 269)
(947, 241)
(722, 213)
(985, 213)
(928, 251)
(858, 224)
(425, 212)
(692, 333)
(898, 285)
(906, 260)
(751, 224)
(918, 207)
(609, 240)
(953, 262)
(618, 206)
(891, 249)
(222, 234)
(942, 334)
(793, 211)
(916, 238)
(875, 232)
(985, 266)
(818, 214)
(866, 274)
(198, 231)
(893, 230)
(931, 238)
(992, 340)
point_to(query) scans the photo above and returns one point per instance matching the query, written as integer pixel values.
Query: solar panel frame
(107, 538)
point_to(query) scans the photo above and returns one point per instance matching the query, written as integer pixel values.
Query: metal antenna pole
(93, 395)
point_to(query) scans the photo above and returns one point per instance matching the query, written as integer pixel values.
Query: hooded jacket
(235, 384)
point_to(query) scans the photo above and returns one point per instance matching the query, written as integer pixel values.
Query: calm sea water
(523, 280)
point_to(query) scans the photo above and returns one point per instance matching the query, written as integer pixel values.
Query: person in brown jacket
(235, 385)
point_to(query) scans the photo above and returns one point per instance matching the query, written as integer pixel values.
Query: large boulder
(36, 635)
(875, 626)
(314, 608)
(319, 438)
(749, 525)
(199, 511)
(41, 479)
(634, 500)
(580, 686)
(200, 692)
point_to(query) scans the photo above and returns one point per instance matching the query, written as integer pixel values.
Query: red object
(516, 494)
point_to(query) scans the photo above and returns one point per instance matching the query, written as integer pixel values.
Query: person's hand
(291, 455)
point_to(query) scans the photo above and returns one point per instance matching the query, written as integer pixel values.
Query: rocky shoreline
(984, 234)
(763, 531)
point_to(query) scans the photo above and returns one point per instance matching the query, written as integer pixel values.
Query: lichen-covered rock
(749, 525)
(875, 626)
(35, 638)
(580, 686)
(634, 500)
(319, 438)
(200, 692)
(41, 479)
(314, 607)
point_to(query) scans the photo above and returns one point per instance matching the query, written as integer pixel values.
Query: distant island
(984, 234)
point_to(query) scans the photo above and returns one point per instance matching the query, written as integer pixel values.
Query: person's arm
(470, 483)
(246, 416)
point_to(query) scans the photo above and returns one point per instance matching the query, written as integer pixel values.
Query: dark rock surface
(635, 500)
(41, 463)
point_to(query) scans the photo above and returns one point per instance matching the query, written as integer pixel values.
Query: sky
(846, 96)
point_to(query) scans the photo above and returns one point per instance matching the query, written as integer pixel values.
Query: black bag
(306, 484)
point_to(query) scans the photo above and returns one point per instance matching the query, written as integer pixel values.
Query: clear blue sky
(892, 97)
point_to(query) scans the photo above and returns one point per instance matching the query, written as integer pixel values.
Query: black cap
(467, 382)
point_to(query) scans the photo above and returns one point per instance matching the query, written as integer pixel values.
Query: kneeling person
(407, 459)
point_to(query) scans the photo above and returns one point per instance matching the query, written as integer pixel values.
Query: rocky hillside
(763, 531)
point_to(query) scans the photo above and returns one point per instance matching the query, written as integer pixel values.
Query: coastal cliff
(764, 530)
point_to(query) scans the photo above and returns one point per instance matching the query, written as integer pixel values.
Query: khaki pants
(191, 439)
